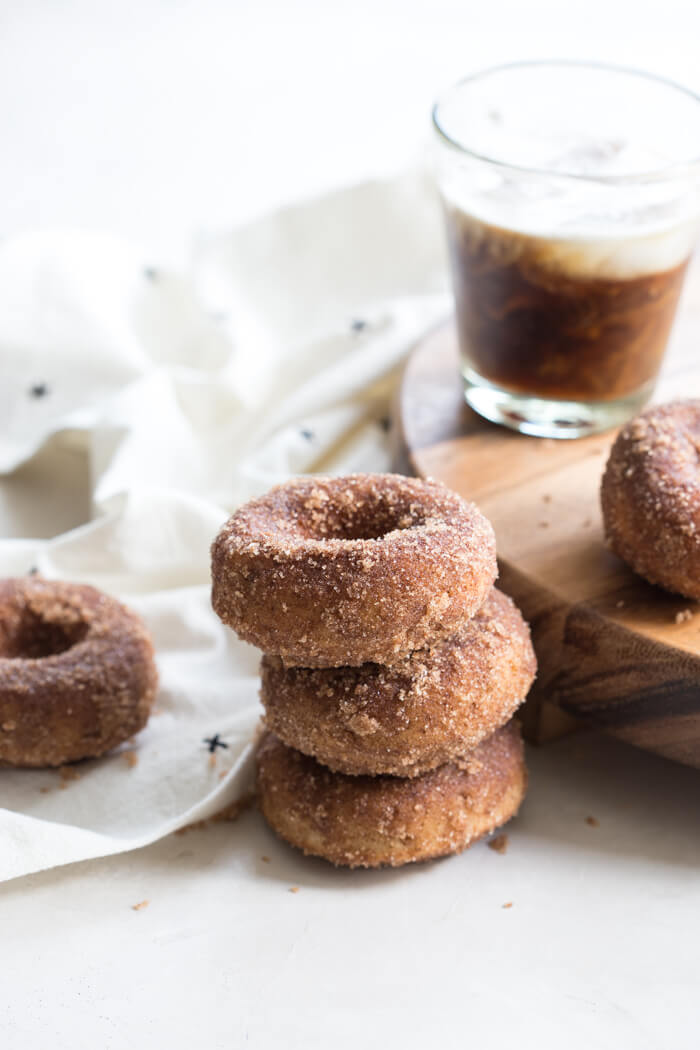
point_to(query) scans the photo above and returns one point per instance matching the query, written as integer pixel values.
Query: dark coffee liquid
(528, 326)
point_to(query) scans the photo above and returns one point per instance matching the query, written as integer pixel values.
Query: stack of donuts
(392, 666)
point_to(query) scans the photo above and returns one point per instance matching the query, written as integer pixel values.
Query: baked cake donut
(372, 821)
(325, 572)
(422, 711)
(650, 496)
(77, 675)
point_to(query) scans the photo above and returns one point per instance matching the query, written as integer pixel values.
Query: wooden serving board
(609, 646)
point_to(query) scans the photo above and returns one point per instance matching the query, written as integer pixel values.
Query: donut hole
(351, 515)
(34, 633)
(368, 529)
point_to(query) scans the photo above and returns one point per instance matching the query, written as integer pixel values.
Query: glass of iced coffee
(572, 197)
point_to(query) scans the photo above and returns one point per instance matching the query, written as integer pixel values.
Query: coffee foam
(617, 257)
(587, 225)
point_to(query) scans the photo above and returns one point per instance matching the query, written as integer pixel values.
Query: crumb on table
(67, 774)
(499, 844)
(592, 822)
(140, 905)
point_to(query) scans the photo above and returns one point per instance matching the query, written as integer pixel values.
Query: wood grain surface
(612, 649)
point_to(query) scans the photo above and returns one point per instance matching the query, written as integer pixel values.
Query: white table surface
(161, 118)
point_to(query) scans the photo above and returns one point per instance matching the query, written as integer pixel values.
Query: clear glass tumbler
(572, 196)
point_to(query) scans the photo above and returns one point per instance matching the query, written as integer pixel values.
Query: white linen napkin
(275, 354)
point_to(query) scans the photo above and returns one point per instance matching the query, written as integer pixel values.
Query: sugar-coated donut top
(38, 619)
(331, 571)
(657, 457)
(358, 511)
(77, 675)
(50, 627)
(43, 618)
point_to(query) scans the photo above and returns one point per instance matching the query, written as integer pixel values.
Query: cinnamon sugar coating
(372, 821)
(650, 496)
(424, 710)
(77, 674)
(326, 572)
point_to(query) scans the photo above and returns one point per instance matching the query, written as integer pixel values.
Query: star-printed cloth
(275, 352)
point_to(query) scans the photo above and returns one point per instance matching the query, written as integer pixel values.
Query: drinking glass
(571, 194)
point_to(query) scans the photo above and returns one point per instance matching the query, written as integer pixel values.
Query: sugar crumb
(683, 616)
(499, 844)
(67, 774)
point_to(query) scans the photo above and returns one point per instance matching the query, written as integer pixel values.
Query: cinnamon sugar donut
(77, 675)
(650, 496)
(365, 822)
(428, 708)
(325, 572)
